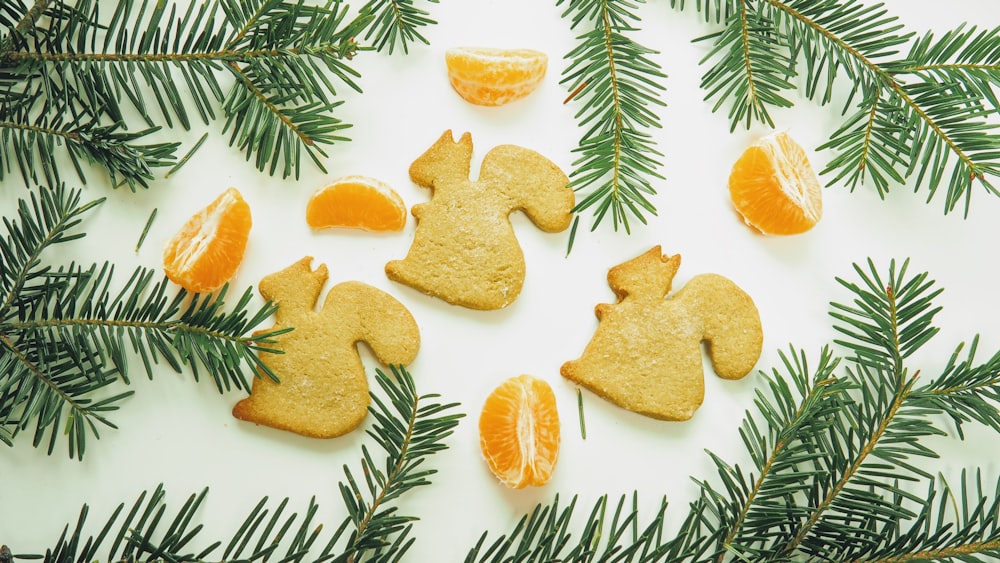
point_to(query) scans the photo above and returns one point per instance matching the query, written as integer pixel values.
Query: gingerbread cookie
(645, 355)
(323, 389)
(464, 250)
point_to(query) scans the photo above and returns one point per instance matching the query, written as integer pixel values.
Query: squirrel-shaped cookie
(645, 355)
(323, 389)
(464, 250)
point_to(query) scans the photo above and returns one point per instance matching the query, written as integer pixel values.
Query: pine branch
(166, 64)
(967, 392)
(546, 534)
(839, 452)
(145, 532)
(618, 86)
(753, 67)
(37, 142)
(396, 22)
(955, 524)
(783, 440)
(66, 337)
(407, 432)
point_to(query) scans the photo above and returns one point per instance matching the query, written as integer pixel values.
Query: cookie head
(649, 274)
(446, 162)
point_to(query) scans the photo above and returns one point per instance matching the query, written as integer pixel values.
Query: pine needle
(145, 230)
(186, 157)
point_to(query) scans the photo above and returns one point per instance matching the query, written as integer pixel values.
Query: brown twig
(22, 28)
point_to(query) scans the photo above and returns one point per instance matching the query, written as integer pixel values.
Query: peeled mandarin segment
(357, 202)
(519, 432)
(206, 252)
(494, 77)
(773, 186)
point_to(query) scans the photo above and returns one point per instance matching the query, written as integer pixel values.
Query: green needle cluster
(69, 334)
(92, 81)
(409, 428)
(841, 468)
(914, 110)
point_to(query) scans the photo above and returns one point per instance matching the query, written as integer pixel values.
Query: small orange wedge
(774, 188)
(493, 77)
(357, 202)
(209, 248)
(519, 432)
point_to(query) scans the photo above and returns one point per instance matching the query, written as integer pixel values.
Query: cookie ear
(447, 159)
(533, 183)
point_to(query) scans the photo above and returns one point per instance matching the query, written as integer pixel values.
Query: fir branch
(18, 23)
(925, 116)
(145, 532)
(289, 59)
(956, 523)
(618, 86)
(407, 430)
(291, 131)
(36, 142)
(965, 391)
(839, 453)
(46, 219)
(890, 319)
(396, 22)
(66, 336)
(546, 534)
(867, 448)
(753, 67)
(964, 58)
(782, 439)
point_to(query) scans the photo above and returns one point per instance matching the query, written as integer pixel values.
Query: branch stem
(616, 96)
(390, 479)
(40, 375)
(904, 389)
(23, 26)
(765, 470)
(160, 326)
(747, 64)
(224, 55)
(942, 554)
(257, 93)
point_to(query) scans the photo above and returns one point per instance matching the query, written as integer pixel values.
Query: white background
(181, 434)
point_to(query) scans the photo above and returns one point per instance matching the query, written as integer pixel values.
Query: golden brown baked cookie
(323, 389)
(645, 355)
(464, 250)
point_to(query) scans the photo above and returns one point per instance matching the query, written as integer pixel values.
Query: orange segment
(494, 77)
(519, 432)
(356, 202)
(774, 187)
(209, 248)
